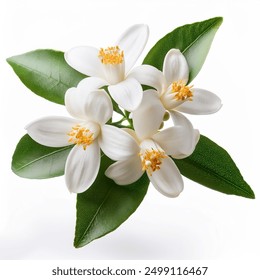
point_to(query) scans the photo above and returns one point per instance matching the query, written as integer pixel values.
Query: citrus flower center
(80, 135)
(182, 92)
(151, 160)
(111, 55)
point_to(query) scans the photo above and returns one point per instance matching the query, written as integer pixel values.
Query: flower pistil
(151, 160)
(111, 55)
(182, 92)
(80, 135)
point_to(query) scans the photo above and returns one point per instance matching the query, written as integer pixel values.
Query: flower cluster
(144, 147)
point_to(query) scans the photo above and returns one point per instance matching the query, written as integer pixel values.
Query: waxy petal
(91, 83)
(203, 102)
(192, 135)
(175, 67)
(85, 60)
(99, 107)
(132, 42)
(117, 144)
(125, 172)
(127, 94)
(167, 180)
(132, 133)
(114, 73)
(150, 76)
(82, 167)
(175, 140)
(75, 98)
(73, 102)
(169, 101)
(149, 115)
(149, 144)
(51, 131)
(95, 106)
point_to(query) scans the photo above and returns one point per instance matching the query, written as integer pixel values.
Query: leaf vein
(58, 81)
(94, 217)
(202, 34)
(42, 157)
(235, 186)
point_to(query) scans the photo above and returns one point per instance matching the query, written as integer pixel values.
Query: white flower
(150, 154)
(172, 90)
(110, 66)
(91, 109)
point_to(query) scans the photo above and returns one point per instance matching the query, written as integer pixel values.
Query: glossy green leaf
(211, 166)
(194, 41)
(34, 161)
(46, 73)
(105, 206)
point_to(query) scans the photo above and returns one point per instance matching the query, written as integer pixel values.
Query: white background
(37, 217)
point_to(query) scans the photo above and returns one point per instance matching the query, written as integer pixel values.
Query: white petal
(169, 101)
(149, 115)
(91, 83)
(75, 98)
(51, 131)
(175, 67)
(85, 60)
(127, 94)
(95, 106)
(150, 76)
(132, 42)
(148, 145)
(132, 133)
(116, 143)
(125, 172)
(167, 180)
(73, 102)
(180, 119)
(191, 138)
(174, 140)
(196, 138)
(203, 102)
(93, 128)
(98, 107)
(82, 167)
(114, 73)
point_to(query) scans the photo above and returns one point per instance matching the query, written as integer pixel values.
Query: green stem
(125, 118)
(118, 122)
(130, 121)
(123, 126)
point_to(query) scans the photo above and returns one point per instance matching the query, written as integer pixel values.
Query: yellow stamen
(151, 160)
(182, 92)
(81, 136)
(111, 55)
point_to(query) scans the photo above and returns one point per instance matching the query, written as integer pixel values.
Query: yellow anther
(80, 136)
(111, 55)
(182, 92)
(151, 160)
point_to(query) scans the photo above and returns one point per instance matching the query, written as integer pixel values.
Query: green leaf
(34, 161)
(105, 206)
(194, 41)
(46, 73)
(211, 166)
